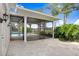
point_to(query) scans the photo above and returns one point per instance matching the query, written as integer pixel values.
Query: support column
(53, 29)
(39, 27)
(30, 26)
(25, 29)
(44, 26)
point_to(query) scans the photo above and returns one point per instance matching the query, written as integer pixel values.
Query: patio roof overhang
(34, 14)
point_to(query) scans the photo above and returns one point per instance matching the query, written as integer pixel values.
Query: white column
(25, 29)
(53, 29)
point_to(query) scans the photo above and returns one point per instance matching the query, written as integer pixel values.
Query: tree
(62, 8)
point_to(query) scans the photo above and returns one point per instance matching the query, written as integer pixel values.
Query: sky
(72, 18)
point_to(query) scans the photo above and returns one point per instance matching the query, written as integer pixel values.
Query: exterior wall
(4, 33)
(1, 34)
(0, 39)
(1, 9)
(6, 37)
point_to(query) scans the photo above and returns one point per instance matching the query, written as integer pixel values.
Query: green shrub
(68, 32)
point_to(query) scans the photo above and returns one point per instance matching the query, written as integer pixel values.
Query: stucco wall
(1, 7)
(0, 39)
(6, 38)
(4, 33)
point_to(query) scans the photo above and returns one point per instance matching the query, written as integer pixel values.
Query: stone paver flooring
(45, 47)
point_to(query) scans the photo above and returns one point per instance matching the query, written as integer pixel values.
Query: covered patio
(29, 17)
